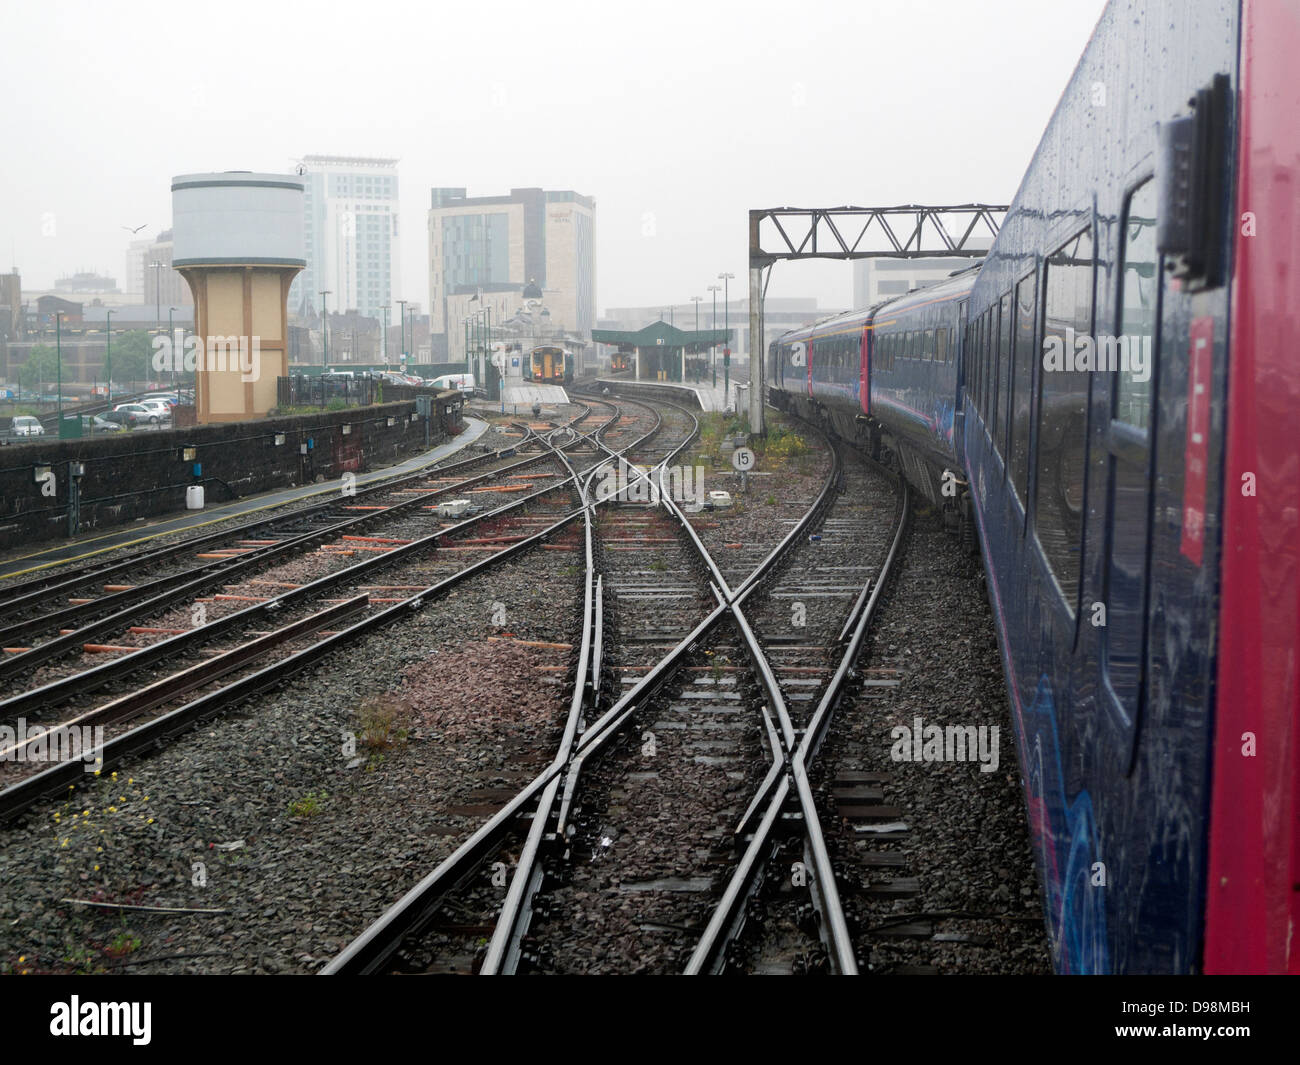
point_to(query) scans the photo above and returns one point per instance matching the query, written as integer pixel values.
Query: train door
(959, 400)
(864, 369)
(1128, 446)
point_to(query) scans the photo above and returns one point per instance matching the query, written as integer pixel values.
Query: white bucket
(194, 497)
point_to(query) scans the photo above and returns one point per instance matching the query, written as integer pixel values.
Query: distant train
(551, 364)
(620, 362)
(1107, 406)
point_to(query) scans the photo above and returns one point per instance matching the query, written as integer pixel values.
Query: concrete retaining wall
(144, 473)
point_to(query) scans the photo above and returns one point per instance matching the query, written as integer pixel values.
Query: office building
(350, 226)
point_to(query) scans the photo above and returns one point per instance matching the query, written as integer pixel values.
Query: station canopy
(660, 335)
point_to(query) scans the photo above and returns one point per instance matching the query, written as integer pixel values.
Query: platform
(525, 395)
(711, 399)
(140, 532)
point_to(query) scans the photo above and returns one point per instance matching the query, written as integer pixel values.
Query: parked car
(101, 423)
(140, 414)
(160, 406)
(122, 418)
(26, 425)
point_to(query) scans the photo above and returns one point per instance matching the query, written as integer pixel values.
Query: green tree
(41, 367)
(132, 353)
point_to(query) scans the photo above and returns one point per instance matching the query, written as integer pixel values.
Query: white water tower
(238, 242)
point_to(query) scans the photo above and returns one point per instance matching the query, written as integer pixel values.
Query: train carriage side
(1097, 482)
(914, 372)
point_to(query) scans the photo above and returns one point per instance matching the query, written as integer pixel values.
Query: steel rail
(29, 592)
(56, 779)
(92, 678)
(25, 594)
(179, 585)
(370, 951)
(516, 910)
(504, 950)
(132, 704)
(783, 742)
(728, 917)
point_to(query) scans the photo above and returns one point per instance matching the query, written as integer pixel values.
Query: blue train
(1105, 406)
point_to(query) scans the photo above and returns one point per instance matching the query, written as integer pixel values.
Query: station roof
(660, 334)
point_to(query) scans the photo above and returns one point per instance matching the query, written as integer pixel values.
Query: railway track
(710, 714)
(145, 680)
(77, 598)
(673, 820)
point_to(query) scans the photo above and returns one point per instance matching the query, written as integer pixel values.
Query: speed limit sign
(743, 459)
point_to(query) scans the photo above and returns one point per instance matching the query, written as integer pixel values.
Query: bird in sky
(135, 230)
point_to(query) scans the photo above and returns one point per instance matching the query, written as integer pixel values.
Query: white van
(462, 381)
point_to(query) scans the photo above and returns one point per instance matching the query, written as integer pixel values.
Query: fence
(327, 390)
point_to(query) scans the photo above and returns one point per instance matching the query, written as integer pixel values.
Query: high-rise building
(163, 286)
(350, 224)
(11, 306)
(484, 250)
(133, 280)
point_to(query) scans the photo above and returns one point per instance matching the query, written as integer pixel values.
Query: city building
(133, 280)
(879, 278)
(47, 307)
(527, 260)
(11, 306)
(85, 283)
(163, 286)
(350, 226)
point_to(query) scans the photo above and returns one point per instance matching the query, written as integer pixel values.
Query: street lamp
(157, 291)
(696, 300)
(726, 338)
(402, 313)
(713, 328)
(171, 339)
(324, 330)
(58, 346)
(108, 358)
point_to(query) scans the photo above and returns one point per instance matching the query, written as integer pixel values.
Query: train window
(941, 345)
(1002, 387)
(1022, 378)
(1128, 508)
(991, 368)
(986, 380)
(986, 357)
(981, 365)
(1138, 304)
(928, 345)
(1062, 443)
(968, 367)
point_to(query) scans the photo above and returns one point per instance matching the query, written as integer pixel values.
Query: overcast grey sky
(678, 117)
